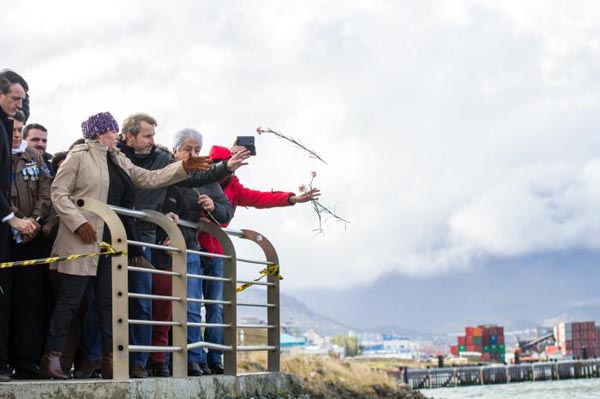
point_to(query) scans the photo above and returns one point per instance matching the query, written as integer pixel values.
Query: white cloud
(430, 114)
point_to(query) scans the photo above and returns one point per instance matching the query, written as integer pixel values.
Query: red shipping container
(469, 331)
(501, 340)
(469, 340)
(462, 341)
(485, 356)
(470, 348)
(500, 331)
(454, 350)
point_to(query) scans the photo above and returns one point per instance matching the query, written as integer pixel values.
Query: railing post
(120, 313)
(179, 284)
(273, 315)
(229, 294)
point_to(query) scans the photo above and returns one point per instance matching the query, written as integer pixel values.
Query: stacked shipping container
(487, 340)
(574, 338)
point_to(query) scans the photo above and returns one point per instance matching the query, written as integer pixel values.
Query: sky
(454, 132)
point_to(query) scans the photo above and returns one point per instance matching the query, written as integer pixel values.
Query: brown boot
(51, 366)
(107, 366)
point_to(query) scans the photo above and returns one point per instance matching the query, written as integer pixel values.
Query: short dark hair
(58, 158)
(132, 124)
(19, 116)
(33, 126)
(9, 78)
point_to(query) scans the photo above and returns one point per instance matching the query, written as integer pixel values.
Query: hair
(132, 124)
(9, 78)
(77, 142)
(19, 116)
(33, 126)
(183, 134)
(58, 158)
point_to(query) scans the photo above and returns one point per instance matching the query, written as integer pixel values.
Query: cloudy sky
(454, 132)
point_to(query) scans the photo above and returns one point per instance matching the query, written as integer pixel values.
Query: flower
(302, 188)
(313, 173)
(259, 130)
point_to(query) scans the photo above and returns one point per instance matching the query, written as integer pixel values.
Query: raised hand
(201, 162)
(238, 159)
(313, 194)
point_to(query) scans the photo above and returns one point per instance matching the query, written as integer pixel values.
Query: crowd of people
(56, 319)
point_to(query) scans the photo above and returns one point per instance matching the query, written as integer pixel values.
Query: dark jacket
(30, 191)
(5, 172)
(158, 158)
(184, 202)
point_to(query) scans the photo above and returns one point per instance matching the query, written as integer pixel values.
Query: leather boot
(106, 368)
(51, 366)
(88, 368)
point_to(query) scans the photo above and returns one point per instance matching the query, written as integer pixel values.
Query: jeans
(90, 333)
(214, 312)
(194, 309)
(141, 309)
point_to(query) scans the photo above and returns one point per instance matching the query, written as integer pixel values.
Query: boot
(51, 366)
(88, 368)
(106, 369)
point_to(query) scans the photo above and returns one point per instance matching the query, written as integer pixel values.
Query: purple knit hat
(98, 124)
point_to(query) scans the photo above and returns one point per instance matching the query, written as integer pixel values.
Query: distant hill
(517, 293)
(293, 312)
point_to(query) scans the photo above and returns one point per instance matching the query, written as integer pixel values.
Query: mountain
(517, 293)
(293, 313)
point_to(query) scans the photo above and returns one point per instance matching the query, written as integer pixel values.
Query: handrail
(179, 298)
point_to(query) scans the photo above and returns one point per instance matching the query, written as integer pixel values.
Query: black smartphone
(248, 142)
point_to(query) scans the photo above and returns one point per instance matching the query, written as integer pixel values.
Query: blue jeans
(214, 313)
(90, 334)
(194, 288)
(141, 309)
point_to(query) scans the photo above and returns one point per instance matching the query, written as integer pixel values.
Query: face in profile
(12, 101)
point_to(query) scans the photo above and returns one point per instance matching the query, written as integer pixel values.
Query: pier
(497, 374)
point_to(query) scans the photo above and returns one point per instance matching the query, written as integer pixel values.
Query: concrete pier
(209, 387)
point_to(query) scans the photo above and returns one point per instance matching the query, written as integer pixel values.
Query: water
(567, 389)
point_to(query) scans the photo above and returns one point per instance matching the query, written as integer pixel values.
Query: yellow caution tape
(270, 270)
(106, 249)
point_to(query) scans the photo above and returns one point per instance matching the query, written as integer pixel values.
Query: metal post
(120, 312)
(229, 294)
(273, 315)
(179, 284)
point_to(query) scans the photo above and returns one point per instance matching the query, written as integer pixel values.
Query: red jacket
(242, 196)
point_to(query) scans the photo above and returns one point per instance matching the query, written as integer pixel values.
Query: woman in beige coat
(96, 169)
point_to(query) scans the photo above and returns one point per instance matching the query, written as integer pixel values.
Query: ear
(129, 136)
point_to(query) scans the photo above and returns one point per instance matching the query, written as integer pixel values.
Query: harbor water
(571, 389)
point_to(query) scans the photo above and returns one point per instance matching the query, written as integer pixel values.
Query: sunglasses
(39, 139)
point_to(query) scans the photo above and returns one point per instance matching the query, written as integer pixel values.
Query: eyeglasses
(39, 139)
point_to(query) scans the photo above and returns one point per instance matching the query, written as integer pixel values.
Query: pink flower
(302, 188)
(313, 173)
(258, 130)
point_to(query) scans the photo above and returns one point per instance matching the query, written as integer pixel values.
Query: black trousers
(68, 301)
(22, 306)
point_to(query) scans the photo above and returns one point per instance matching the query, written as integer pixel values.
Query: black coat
(6, 128)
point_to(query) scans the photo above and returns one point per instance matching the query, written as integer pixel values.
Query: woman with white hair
(192, 204)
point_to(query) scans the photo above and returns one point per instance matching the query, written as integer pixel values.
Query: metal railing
(179, 297)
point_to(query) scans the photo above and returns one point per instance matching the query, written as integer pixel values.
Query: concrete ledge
(209, 387)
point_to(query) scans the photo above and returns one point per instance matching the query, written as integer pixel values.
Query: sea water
(567, 389)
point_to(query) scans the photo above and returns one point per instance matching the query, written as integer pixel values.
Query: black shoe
(205, 369)
(138, 371)
(160, 370)
(5, 374)
(194, 370)
(29, 373)
(216, 368)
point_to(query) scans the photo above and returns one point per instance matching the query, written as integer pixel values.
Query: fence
(500, 374)
(179, 323)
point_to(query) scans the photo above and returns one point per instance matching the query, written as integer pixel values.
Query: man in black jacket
(137, 143)
(12, 95)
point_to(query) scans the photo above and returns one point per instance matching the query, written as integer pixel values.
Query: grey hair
(183, 134)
